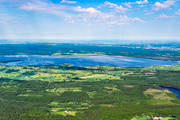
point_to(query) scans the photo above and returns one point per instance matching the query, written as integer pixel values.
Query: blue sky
(90, 19)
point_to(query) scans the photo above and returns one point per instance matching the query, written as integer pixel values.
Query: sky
(90, 19)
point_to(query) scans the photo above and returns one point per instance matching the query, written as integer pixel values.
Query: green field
(88, 93)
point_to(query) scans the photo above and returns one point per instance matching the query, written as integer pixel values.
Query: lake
(174, 90)
(83, 60)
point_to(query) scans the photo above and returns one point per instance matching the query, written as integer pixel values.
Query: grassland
(88, 93)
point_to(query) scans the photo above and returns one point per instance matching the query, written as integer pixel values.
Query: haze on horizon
(90, 20)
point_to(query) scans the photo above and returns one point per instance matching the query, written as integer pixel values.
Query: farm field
(88, 93)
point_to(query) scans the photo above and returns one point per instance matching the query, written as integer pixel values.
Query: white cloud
(178, 12)
(68, 1)
(142, 2)
(165, 4)
(121, 20)
(165, 16)
(40, 6)
(47, 8)
(118, 8)
(128, 4)
(89, 15)
(88, 10)
(110, 4)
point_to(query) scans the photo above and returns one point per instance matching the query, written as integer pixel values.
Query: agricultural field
(88, 93)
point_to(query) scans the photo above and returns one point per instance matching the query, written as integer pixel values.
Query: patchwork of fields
(88, 93)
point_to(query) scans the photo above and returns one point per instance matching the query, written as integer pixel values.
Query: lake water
(174, 90)
(83, 60)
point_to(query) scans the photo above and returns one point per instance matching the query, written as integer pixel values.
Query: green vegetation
(88, 93)
(164, 51)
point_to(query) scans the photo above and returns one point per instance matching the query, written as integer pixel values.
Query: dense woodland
(88, 93)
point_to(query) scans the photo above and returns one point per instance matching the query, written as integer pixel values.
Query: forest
(67, 92)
